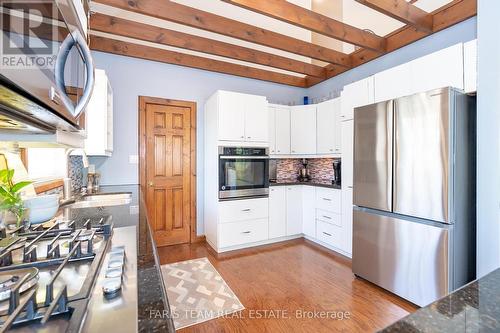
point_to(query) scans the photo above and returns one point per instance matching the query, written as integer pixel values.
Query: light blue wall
(462, 32)
(132, 77)
(488, 137)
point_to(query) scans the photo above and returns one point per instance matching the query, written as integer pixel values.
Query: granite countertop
(472, 308)
(318, 183)
(152, 303)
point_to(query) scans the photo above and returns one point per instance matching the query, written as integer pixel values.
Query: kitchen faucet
(67, 180)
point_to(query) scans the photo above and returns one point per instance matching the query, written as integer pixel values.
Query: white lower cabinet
(308, 211)
(293, 210)
(277, 211)
(329, 233)
(238, 233)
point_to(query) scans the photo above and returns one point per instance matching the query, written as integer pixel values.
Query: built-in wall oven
(243, 172)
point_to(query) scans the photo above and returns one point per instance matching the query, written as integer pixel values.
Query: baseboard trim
(198, 239)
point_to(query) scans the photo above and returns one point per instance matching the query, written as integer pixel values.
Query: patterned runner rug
(197, 293)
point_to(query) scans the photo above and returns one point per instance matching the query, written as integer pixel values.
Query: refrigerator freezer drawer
(407, 258)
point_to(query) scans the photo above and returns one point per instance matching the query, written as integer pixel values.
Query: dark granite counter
(472, 308)
(152, 303)
(309, 183)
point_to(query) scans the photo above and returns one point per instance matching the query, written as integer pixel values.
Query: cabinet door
(336, 128)
(272, 130)
(303, 129)
(231, 114)
(293, 210)
(356, 94)
(346, 244)
(325, 125)
(277, 211)
(308, 211)
(347, 153)
(444, 68)
(256, 119)
(328, 127)
(283, 131)
(393, 83)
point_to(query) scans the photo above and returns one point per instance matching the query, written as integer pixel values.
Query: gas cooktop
(47, 273)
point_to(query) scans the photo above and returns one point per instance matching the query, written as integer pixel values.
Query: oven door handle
(74, 39)
(235, 157)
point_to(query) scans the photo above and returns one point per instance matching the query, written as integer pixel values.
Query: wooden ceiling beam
(108, 45)
(402, 11)
(174, 12)
(444, 17)
(307, 19)
(136, 30)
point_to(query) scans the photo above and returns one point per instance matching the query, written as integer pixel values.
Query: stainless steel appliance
(48, 273)
(47, 72)
(243, 172)
(414, 194)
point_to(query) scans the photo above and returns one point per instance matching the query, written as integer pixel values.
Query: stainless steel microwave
(243, 172)
(47, 72)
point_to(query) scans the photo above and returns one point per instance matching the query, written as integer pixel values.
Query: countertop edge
(290, 183)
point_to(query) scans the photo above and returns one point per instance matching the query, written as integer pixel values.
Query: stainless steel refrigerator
(414, 194)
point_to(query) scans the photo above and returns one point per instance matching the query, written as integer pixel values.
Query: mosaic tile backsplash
(320, 169)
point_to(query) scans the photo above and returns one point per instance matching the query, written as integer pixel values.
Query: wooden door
(167, 168)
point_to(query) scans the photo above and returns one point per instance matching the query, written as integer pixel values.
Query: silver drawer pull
(246, 232)
(327, 234)
(326, 199)
(327, 217)
(246, 210)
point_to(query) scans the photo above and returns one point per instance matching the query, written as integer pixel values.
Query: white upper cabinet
(231, 115)
(303, 129)
(347, 153)
(470, 66)
(242, 117)
(393, 83)
(272, 129)
(444, 68)
(328, 127)
(356, 94)
(256, 119)
(283, 130)
(99, 118)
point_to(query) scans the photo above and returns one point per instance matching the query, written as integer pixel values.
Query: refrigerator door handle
(391, 114)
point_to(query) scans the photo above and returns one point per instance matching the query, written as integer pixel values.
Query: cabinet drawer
(243, 232)
(329, 233)
(328, 199)
(326, 216)
(241, 210)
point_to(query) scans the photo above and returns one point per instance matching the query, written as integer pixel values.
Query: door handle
(326, 199)
(327, 217)
(246, 210)
(246, 232)
(327, 234)
(151, 184)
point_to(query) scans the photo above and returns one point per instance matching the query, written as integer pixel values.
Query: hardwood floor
(289, 277)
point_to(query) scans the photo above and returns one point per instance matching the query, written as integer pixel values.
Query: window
(46, 163)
